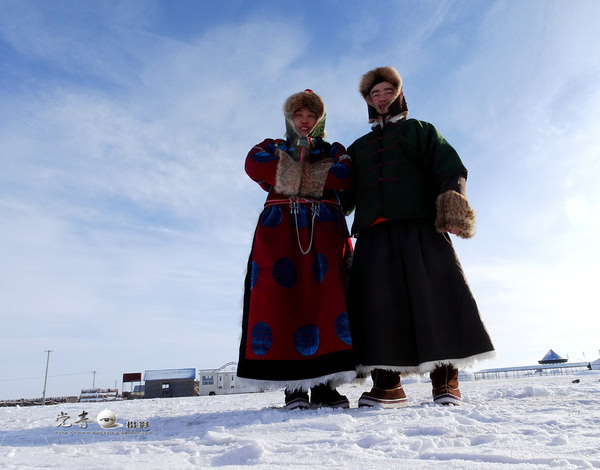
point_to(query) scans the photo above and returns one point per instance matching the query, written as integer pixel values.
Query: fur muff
(288, 175)
(378, 75)
(314, 176)
(304, 99)
(454, 212)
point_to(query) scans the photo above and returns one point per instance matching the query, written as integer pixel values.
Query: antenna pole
(46, 379)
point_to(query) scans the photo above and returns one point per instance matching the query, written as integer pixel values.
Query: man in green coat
(411, 309)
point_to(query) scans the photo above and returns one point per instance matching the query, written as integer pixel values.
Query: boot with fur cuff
(387, 391)
(296, 399)
(325, 396)
(444, 384)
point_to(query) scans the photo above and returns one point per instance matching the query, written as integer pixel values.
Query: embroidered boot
(387, 391)
(296, 399)
(324, 396)
(444, 384)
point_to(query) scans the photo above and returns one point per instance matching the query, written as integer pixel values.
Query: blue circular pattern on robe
(306, 340)
(261, 338)
(271, 217)
(327, 214)
(342, 328)
(276, 144)
(341, 171)
(285, 273)
(319, 267)
(263, 157)
(254, 274)
(302, 217)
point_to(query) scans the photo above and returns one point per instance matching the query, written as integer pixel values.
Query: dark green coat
(400, 170)
(408, 300)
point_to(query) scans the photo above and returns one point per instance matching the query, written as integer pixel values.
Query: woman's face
(304, 120)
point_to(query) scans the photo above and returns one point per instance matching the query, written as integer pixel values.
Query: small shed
(170, 383)
(552, 358)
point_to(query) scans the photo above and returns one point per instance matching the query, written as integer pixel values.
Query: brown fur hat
(305, 98)
(376, 76)
(397, 108)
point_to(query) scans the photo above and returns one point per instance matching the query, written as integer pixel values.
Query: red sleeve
(340, 173)
(261, 164)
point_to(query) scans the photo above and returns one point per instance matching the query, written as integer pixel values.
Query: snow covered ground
(525, 423)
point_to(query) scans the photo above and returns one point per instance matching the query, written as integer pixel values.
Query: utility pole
(94, 381)
(46, 379)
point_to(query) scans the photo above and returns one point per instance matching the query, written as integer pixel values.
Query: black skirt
(409, 303)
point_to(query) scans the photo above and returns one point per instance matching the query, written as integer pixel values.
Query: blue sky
(125, 214)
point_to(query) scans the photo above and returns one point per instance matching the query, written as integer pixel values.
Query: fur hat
(312, 101)
(397, 108)
(378, 75)
(303, 99)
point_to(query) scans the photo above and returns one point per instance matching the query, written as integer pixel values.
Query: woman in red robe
(295, 329)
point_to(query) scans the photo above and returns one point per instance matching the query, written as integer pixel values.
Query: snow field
(526, 423)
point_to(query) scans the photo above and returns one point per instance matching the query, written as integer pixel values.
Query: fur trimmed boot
(325, 396)
(444, 384)
(296, 399)
(387, 391)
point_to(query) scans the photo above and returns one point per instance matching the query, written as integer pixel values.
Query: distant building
(221, 381)
(170, 383)
(552, 358)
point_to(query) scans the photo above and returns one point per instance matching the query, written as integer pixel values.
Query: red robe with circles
(295, 329)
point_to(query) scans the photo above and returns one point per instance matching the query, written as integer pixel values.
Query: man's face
(304, 120)
(381, 96)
